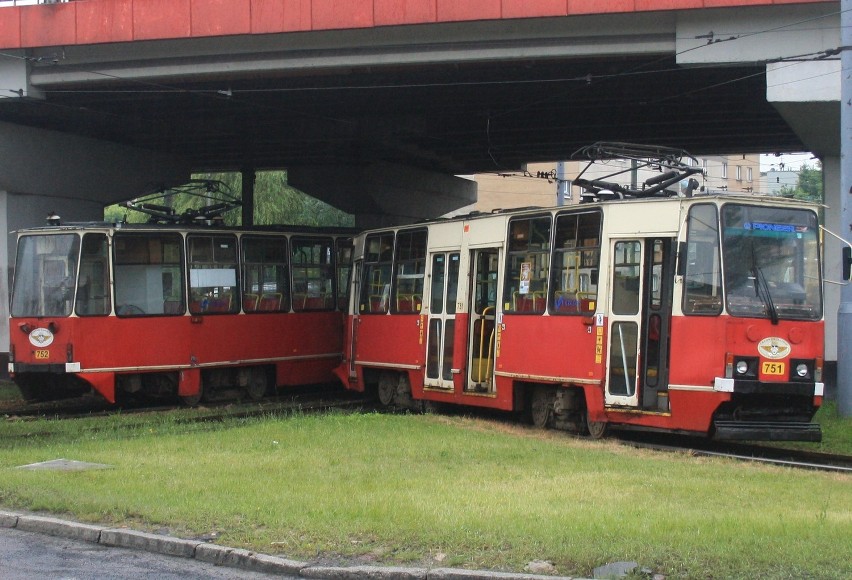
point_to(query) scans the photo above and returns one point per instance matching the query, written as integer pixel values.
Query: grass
(9, 393)
(435, 490)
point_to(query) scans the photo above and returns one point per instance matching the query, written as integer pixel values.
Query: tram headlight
(801, 370)
(745, 367)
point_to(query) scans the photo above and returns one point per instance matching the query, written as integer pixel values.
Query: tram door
(354, 297)
(441, 320)
(481, 340)
(640, 311)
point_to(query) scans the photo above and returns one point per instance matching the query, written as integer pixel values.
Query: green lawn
(435, 490)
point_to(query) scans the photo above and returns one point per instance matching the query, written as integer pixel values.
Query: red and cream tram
(175, 309)
(692, 314)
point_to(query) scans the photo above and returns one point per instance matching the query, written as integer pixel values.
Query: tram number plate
(42, 354)
(773, 368)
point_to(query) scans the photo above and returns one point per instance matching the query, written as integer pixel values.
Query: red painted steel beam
(101, 21)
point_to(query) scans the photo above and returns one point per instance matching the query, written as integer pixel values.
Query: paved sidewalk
(238, 558)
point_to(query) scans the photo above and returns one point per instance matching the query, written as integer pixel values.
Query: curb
(239, 558)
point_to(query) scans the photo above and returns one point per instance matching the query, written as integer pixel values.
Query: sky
(791, 161)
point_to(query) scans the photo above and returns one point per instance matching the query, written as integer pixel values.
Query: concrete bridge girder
(53, 164)
(383, 193)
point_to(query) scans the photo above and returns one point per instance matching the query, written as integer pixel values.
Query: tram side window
(528, 263)
(93, 292)
(148, 274)
(213, 274)
(410, 271)
(344, 271)
(266, 285)
(702, 292)
(45, 270)
(313, 274)
(376, 278)
(576, 257)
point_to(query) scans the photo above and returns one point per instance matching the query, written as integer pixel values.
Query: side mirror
(847, 262)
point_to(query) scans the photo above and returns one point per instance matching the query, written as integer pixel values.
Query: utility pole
(844, 314)
(563, 186)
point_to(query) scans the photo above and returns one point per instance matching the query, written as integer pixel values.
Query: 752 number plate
(773, 368)
(42, 354)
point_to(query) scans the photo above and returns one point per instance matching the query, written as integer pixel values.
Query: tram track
(764, 454)
(211, 412)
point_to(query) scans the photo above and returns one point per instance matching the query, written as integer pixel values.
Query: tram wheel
(388, 383)
(257, 385)
(541, 407)
(597, 429)
(193, 400)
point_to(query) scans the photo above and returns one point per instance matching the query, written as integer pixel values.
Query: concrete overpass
(374, 105)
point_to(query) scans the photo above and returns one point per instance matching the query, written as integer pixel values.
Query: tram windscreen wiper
(761, 288)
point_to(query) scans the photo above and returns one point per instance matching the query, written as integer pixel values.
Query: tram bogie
(699, 315)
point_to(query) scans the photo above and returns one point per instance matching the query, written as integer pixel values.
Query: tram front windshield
(45, 274)
(771, 262)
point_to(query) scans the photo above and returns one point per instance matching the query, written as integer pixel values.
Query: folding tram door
(638, 327)
(481, 328)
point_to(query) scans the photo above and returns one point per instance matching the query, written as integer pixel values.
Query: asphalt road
(30, 556)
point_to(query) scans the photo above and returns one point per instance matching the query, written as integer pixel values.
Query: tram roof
(718, 197)
(194, 228)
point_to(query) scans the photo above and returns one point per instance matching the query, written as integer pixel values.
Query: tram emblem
(773, 347)
(41, 337)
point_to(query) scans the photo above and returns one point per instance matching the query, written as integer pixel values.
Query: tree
(808, 187)
(275, 202)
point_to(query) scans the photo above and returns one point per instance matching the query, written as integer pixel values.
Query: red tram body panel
(698, 315)
(168, 310)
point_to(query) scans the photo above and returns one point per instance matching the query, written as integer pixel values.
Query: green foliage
(809, 186)
(275, 202)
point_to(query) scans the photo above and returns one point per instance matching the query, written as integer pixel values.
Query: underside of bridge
(448, 118)
(449, 99)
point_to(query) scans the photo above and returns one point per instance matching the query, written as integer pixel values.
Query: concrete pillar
(831, 265)
(844, 316)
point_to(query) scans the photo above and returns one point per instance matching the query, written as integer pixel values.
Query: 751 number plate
(42, 354)
(773, 368)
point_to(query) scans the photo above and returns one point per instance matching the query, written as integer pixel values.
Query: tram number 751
(773, 368)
